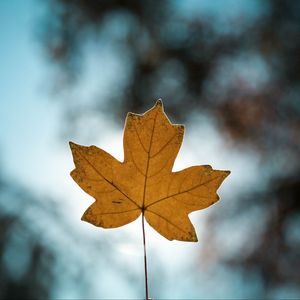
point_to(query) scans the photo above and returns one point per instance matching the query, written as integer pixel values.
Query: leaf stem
(145, 258)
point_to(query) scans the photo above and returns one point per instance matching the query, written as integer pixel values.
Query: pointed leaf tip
(73, 145)
(159, 102)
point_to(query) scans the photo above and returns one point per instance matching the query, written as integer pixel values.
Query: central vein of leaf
(148, 160)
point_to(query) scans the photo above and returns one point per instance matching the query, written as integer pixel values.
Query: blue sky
(28, 120)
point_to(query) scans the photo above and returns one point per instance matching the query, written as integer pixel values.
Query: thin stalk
(145, 258)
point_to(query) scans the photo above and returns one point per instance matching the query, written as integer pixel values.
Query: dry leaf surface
(144, 182)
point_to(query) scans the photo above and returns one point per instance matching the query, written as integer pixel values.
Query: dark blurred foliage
(32, 265)
(244, 73)
(24, 258)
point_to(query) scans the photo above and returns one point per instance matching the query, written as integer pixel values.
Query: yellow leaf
(144, 182)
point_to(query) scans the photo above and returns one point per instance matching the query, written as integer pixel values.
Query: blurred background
(228, 69)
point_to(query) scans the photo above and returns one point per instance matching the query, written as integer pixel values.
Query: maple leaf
(144, 182)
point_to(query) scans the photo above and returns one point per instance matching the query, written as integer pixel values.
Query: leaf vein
(164, 146)
(107, 179)
(118, 212)
(135, 164)
(168, 221)
(146, 177)
(163, 167)
(179, 193)
(139, 138)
